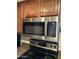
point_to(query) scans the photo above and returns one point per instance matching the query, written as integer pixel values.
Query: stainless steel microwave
(44, 28)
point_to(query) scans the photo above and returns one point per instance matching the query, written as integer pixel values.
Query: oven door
(52, 31)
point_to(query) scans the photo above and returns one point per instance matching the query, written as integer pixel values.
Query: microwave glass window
(36, 28)
(51, 29)
(28, 29)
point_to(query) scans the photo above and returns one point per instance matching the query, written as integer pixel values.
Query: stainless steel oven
(44, 37)
(41, 50)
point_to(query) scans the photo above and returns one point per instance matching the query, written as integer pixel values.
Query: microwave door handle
(45, 30)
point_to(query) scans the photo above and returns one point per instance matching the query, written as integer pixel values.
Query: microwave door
(33, 28)
(27, 29)
(38, 29)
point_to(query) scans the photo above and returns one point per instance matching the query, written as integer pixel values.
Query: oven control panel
(44, 44)
(50, 45)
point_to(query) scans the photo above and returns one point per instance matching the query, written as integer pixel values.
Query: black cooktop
(38, 53)
(33, 55)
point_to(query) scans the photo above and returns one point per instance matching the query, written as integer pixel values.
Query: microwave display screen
(51, 29)
(35, 28)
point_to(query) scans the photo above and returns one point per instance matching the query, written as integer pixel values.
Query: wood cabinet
(20, 16)
(37, 8)
(31, 8)
(57, 7)
(47, 7)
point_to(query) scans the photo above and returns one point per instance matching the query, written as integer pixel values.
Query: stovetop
(33, 55)
(36, 53)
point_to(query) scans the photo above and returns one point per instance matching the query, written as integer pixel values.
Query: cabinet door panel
(19, 17)
(18, 11)
(30, 8)
(57, 7)
(47, 7)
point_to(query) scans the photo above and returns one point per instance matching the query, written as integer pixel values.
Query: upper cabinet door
(19, 17)
(18, 11)
(47, 7)
(30, 8)
(57, 7)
